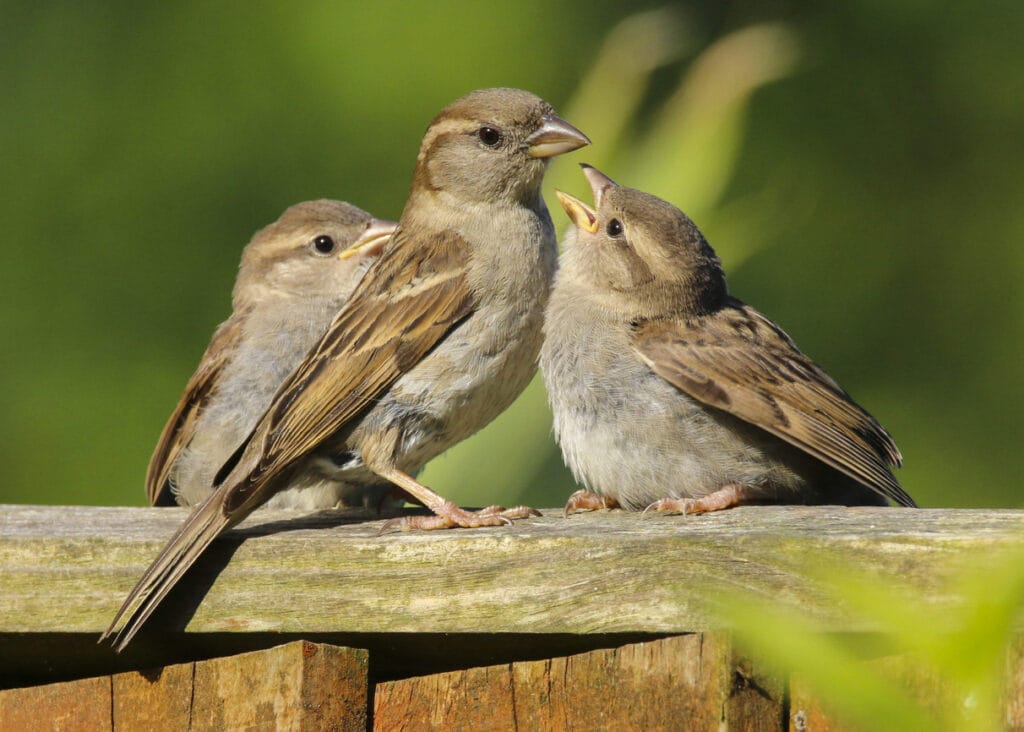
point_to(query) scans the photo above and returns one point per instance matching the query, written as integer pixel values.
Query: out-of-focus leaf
(835, 675)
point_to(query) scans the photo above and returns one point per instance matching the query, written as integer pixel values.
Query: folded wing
(740, 362)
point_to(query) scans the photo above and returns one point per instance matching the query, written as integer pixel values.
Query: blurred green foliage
(858, 167)
(916, 671)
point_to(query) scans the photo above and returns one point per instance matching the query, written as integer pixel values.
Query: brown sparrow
(294, 277)
(671, 395)
(439, 337)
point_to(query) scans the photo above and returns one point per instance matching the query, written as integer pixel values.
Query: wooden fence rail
(604, 620)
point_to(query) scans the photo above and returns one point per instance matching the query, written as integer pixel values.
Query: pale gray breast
(480, 368)
(602, 397)
(626, 432)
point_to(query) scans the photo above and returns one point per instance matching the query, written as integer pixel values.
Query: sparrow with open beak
(671, 395)
(438, 338)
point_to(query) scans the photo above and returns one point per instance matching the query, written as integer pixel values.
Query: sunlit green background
(859, 168)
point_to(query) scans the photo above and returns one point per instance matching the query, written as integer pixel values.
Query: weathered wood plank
(74, 706)
(540, 588)
(685, 682)
(42, 658)
(152, 700)
(68, 569)
(297, 686)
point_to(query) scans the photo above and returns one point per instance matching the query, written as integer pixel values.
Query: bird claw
(670, 506)
(517, 512)
(725, 497)
(584, 500)
(454, 517)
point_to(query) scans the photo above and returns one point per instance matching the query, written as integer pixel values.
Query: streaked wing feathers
(402, 308)
(181, 425)
(739, 361)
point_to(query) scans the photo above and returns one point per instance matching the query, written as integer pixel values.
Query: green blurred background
(859, 167)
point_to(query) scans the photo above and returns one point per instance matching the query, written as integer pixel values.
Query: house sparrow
(438, 338)
(671, 395)
(294, 277)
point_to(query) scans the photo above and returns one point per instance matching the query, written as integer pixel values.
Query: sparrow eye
(489, 136)
(323, 244)
(614, 227)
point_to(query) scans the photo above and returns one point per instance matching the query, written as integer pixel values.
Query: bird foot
(451, 517)
(584, 500)
(728, 496)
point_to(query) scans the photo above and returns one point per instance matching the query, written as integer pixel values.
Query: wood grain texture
(686, 682)
(298, 686)
(68, 569)
(74, 706)
(160, 699)
(694, 681)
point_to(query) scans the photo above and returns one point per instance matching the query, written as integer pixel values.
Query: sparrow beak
(554, 137)
(581, 214)
(599, 182)
(371, 242)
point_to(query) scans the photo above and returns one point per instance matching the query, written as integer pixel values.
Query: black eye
(323, 244)
(614, 227)
(489, 136)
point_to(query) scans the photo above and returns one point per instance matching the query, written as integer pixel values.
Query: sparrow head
(319, 248)
(641, 253)
(493, 144)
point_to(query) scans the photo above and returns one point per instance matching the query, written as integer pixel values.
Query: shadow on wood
(695, 681)
(532, 619)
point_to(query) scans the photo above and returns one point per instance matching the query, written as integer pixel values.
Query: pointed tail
(202, 526)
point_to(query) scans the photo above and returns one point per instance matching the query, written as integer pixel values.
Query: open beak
(371, 241)
(554, 137)
(581, 214)
(598, 181)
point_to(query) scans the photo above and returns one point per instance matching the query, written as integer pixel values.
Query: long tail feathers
(204, 525)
